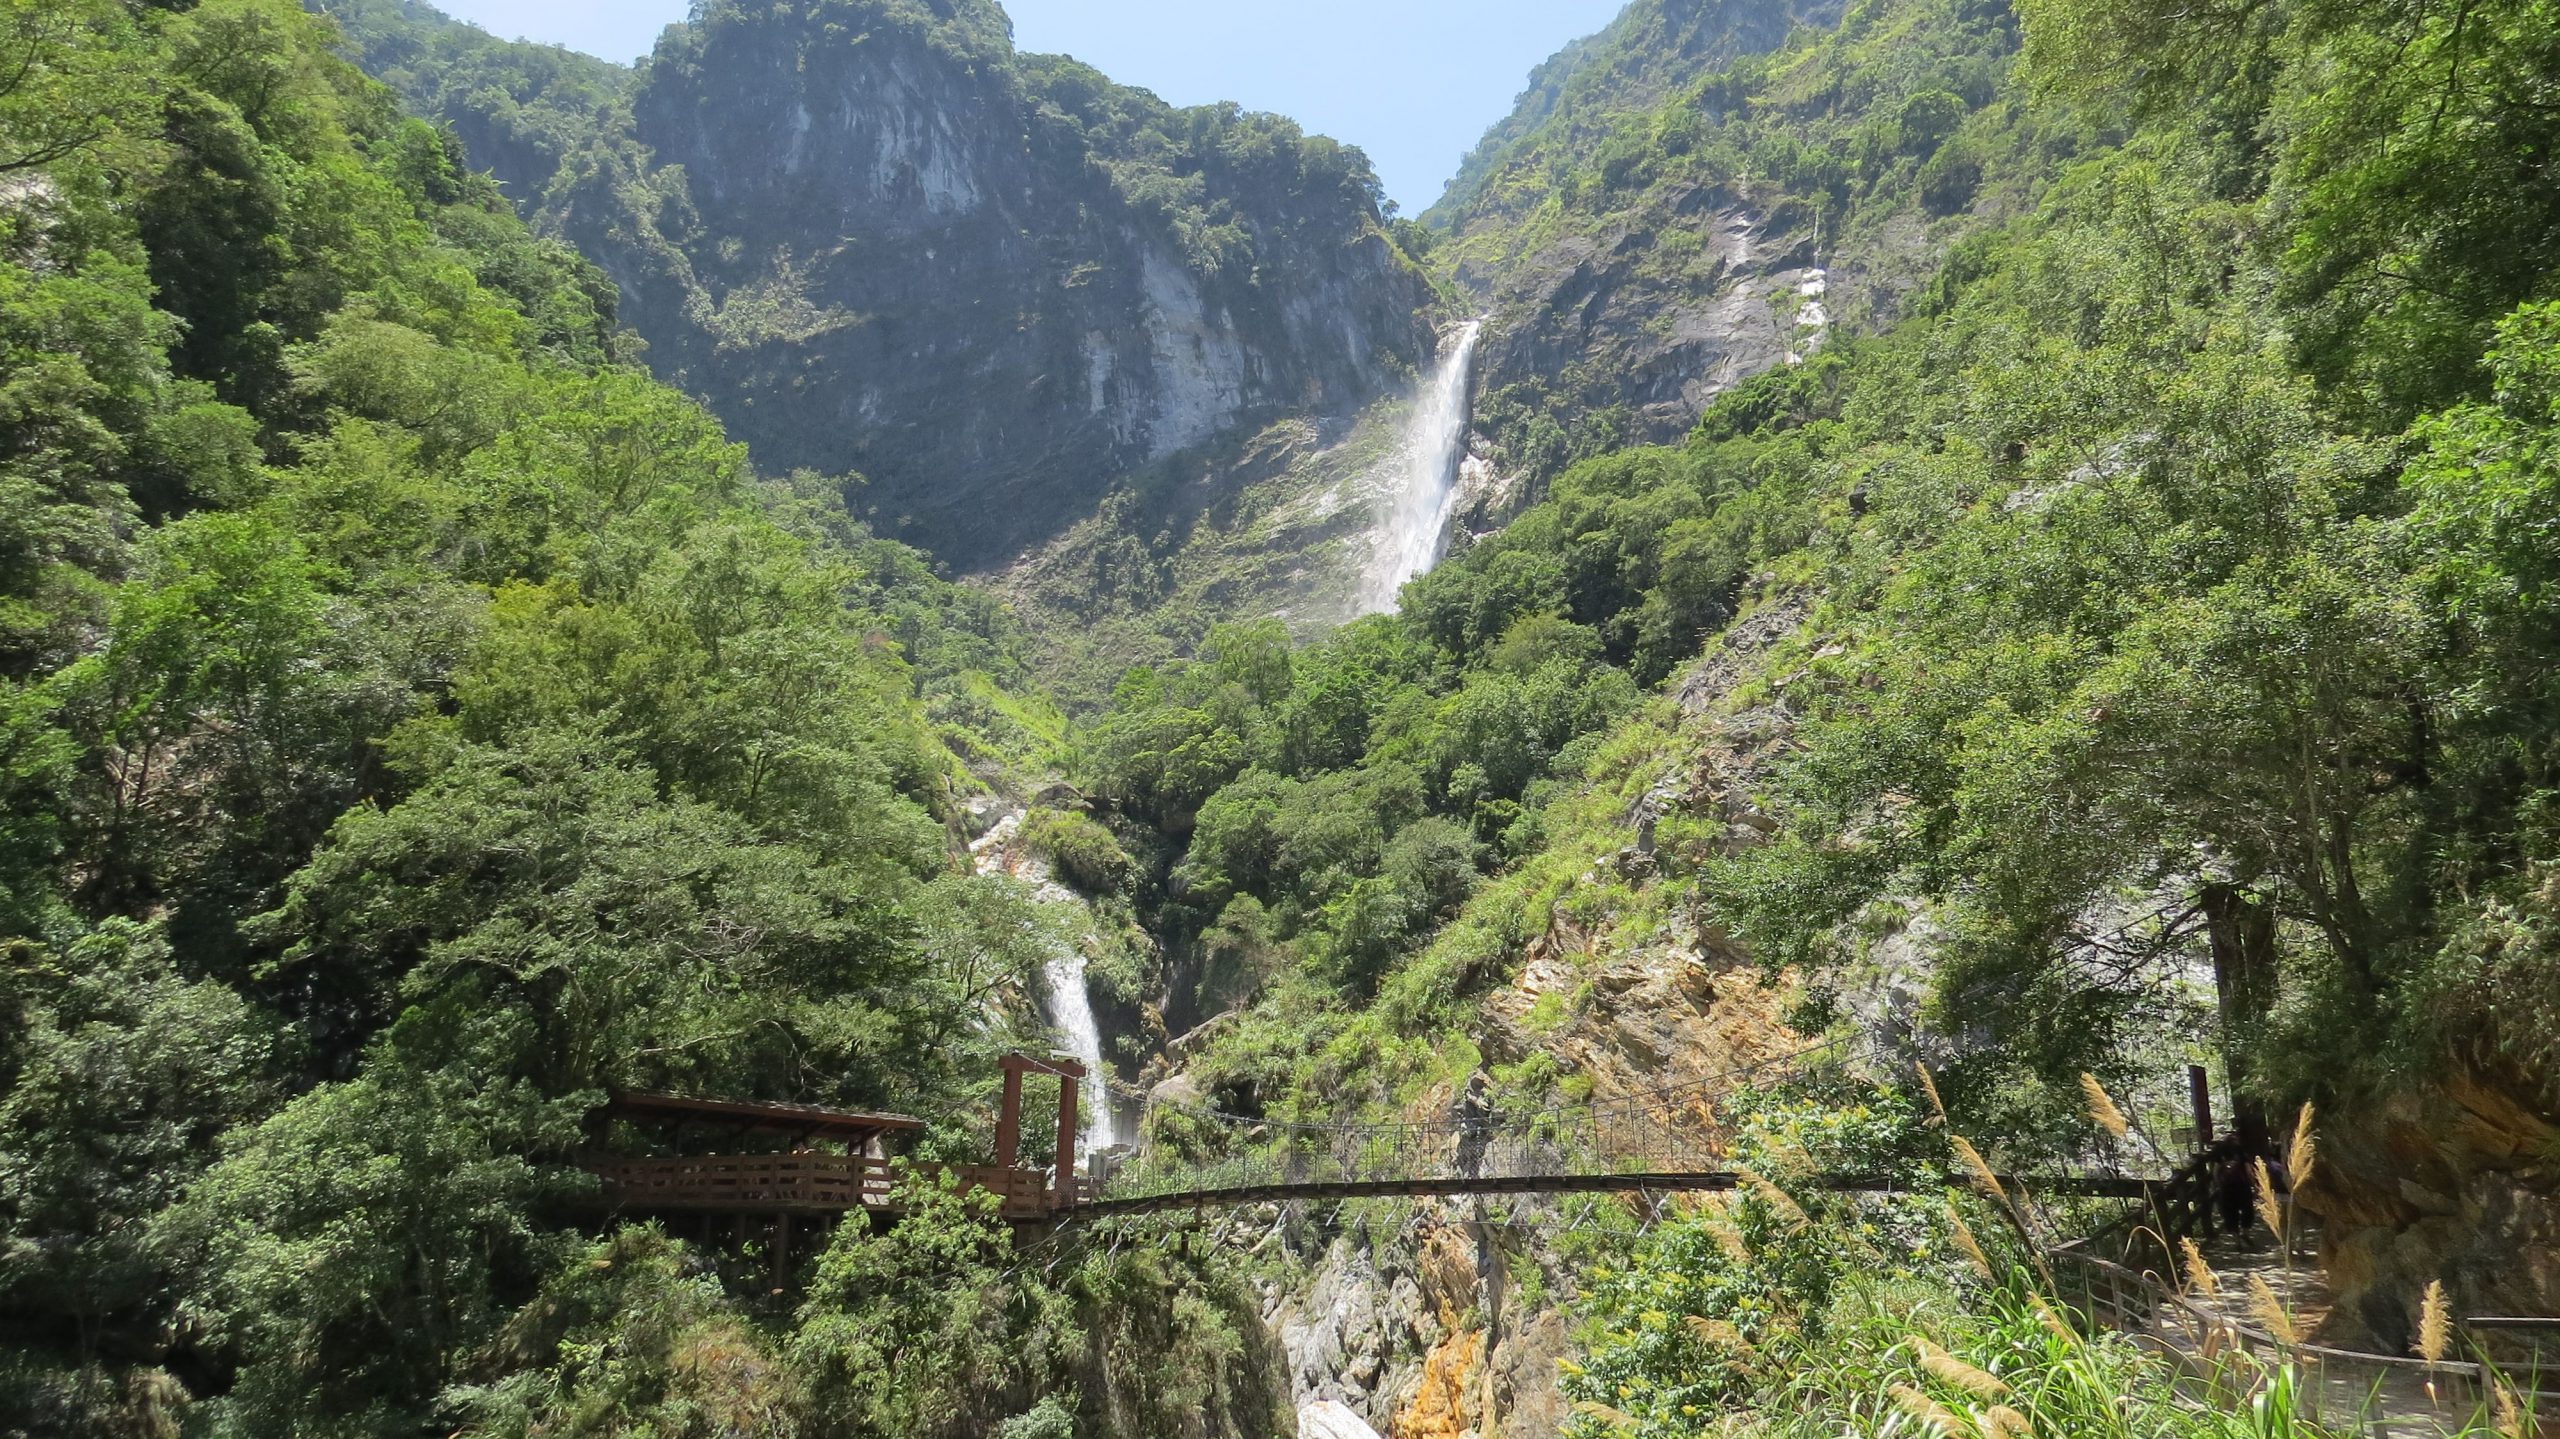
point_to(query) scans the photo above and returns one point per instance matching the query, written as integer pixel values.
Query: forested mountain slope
(875, 239)
(1653, 48)
(2158, 598)
(2126, 641)
(414, 723)
(519, 109)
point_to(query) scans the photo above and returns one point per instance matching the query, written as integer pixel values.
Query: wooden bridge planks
(798, 1184)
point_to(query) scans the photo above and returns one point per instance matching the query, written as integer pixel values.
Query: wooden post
(1009, 1118)
(1068, 1073)
(782, 1251)
(2201, 1097)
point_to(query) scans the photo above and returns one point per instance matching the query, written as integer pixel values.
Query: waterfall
(1071, 1009)
(1415, 531)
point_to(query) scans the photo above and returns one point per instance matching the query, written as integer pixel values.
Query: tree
(68, 81)
(118, 1076)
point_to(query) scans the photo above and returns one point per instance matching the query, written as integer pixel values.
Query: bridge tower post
(1069, 1072)
(1009, 1115)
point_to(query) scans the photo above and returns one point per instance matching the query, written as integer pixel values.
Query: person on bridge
(1475, 1124)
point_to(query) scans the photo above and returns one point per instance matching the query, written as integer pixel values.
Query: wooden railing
(2359, 1385)
(2183, 1205)
(798, 1183)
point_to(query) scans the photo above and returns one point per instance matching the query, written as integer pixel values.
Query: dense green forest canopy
(415, 722)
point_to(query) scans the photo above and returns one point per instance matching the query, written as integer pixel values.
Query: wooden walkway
(2222, 1350)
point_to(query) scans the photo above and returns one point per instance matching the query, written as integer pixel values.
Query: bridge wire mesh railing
(1672, 1129)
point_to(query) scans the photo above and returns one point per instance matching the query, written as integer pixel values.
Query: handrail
(2259, 1339)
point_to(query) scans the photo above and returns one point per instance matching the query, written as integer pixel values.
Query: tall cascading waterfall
(1071, 1009)
(1415, 531)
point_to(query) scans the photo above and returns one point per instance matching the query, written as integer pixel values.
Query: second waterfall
(1414, 532)
(1071, 1009)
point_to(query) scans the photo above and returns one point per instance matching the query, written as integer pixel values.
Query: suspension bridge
(1667, 1139)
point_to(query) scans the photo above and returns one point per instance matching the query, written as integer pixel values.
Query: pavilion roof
(808, 1119)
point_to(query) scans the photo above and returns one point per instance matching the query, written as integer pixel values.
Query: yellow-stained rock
(1448, 1402)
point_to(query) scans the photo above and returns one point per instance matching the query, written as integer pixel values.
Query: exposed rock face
(883, 246)
(1417, 1338)
(1617, 320)
(2461, 1185)
(875, 239)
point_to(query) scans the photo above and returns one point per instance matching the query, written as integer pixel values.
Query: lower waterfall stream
(1071, 1009)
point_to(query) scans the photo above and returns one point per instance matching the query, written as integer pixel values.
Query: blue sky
(1413, 82)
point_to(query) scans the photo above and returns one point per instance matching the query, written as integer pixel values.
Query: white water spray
(1070, 997)
(1415, 532)
(1071, 1009)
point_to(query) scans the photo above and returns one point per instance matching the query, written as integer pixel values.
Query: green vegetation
(2131, 630)
(1869, 150)
(2171, 593)
(519, 109)
(415, 722)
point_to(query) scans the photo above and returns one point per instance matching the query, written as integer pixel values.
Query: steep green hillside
(416, 723)
(2160, 597)
(1698, 215)
(1577, 98)
(519, 109)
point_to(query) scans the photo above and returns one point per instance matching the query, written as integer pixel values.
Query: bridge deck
(798, 1184)
(1454, 1187)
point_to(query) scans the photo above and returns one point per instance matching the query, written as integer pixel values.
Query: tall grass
(1946, 1322)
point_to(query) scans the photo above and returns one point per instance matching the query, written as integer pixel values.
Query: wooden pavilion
(746, 1169)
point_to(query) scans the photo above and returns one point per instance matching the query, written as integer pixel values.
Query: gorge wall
(877, 240)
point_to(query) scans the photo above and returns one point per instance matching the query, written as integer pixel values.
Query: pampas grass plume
(1932, 1415)
(2270, 1310)
(1614, 1418)
(1974, 1165)
(2435, 1324)
(1929, 1087)
(1972, 1247)
(1979, 1383)
(2306, 1151)
(1717, 1333)
(2510, 1413)
(2053, 1320)
(1789, 1212)
(2002, 1422)
(2199, 1274)
(2102, 1107)
(2270, 1212)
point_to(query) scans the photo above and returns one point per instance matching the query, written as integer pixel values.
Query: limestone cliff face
(1656, 313)
(874, 239)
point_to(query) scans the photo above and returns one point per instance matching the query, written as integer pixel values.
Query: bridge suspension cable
(1670, 1135)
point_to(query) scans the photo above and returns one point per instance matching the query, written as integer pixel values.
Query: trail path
(2349, 1393)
